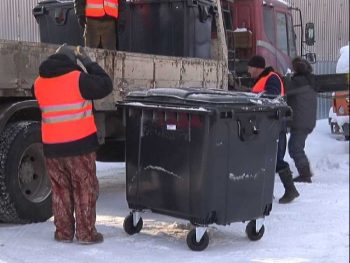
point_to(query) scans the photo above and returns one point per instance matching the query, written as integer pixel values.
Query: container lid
(198, 96)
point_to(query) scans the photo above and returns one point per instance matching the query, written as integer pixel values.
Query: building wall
(331, 19)
(17, 21)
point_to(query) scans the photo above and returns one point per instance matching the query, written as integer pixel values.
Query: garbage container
(166, 27)
(207, 156)
(58, 23)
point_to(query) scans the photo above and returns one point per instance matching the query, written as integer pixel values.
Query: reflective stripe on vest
(86, 108)
(66, 116)
(98, 8)
(261, 84)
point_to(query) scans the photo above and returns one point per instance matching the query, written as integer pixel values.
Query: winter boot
(96, 238)
(60, 238)
(304, 175)
(290, 191)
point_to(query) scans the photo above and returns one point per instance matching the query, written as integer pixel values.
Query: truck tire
(25, 189)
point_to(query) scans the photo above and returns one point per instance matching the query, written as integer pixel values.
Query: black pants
(296, 145)
(281, 151)
(101, 33)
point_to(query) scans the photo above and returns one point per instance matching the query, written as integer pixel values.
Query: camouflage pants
(74, 190)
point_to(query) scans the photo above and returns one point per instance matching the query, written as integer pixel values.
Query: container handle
(247, 129)
(213, 10)
(203, 13)
(38, 11)
(284, 114)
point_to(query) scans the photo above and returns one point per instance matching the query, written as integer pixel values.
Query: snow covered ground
(314, 228)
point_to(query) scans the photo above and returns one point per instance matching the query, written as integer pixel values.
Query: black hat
(301, 66)
(257, 62)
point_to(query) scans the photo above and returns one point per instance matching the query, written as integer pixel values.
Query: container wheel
(193, 244)
(129, 227)
(251, 231)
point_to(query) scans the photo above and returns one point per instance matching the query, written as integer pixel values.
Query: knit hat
(67, 51)
(257, 62)
(301, 66)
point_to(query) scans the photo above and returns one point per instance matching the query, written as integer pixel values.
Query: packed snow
(314, 228)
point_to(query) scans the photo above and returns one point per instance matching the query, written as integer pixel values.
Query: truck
(339, 111)
(339, 114)
(237, 30)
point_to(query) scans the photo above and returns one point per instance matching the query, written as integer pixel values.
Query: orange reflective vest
(261, 84)
(99, 8)
(66, 115)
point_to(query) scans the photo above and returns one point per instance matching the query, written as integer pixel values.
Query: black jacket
(95, 84)
(302, 98)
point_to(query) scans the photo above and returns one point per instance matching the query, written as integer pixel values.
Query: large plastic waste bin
(58, 23)
(166, 27)
(202, 155)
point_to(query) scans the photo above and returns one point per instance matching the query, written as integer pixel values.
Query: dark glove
(68, 51)
(82, 21)
(82, 56)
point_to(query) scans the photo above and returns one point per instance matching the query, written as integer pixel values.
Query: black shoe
(289, 196)
(302, 179)
(305, 175)
(290, 191)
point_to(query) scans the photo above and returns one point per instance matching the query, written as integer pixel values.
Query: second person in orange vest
(98, 18)
(268, 81)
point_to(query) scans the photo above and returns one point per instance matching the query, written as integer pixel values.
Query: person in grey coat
(302, 98)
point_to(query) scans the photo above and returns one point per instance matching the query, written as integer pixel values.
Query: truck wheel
(25, 189)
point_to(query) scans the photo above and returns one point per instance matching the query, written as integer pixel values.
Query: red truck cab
(259, 27)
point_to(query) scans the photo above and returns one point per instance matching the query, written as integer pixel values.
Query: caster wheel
(251, 231)
(129, 227)
(192, 242)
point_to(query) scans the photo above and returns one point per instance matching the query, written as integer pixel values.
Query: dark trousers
(74, 190)
(281, 164)
(101, 33)
(296, 145)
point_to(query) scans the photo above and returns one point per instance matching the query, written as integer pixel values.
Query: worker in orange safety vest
(266, 80)
(98, 18)
(64, 93)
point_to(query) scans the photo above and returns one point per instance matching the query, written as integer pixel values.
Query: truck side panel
(19, 63)
(19, 67)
